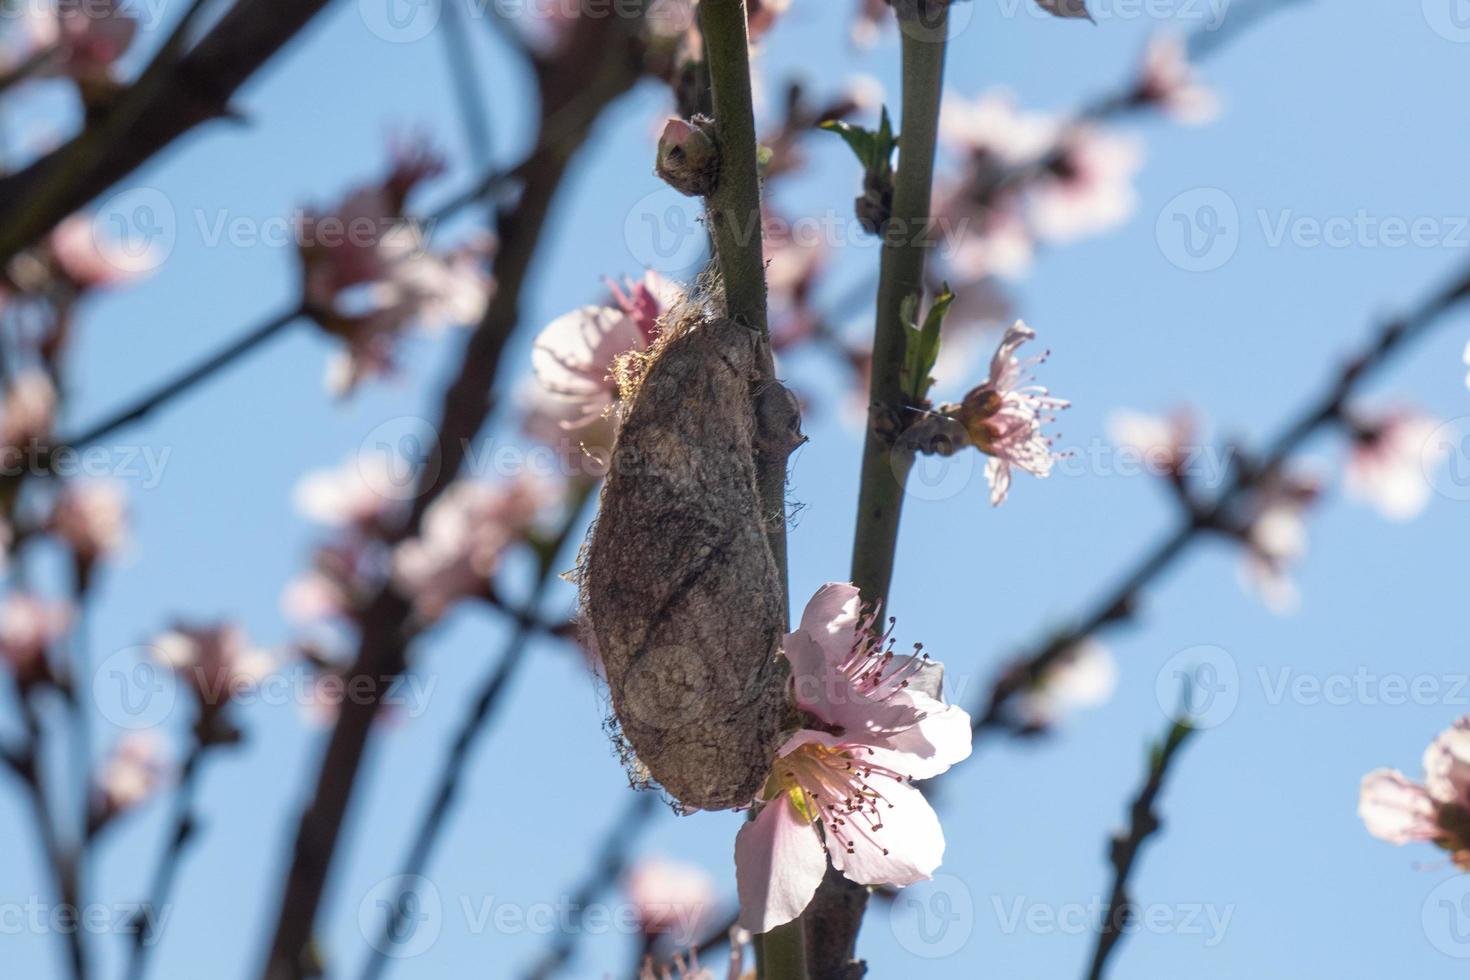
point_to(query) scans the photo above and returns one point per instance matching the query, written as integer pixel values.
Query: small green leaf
(874, 149)
(921, 349)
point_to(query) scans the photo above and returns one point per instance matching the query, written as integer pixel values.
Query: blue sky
(1331, 111)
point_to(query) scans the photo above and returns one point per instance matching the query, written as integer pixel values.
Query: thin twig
(179, 95)
(435, 818)
(182, 824)
(60, 861)
(385, 632)
(608, 865)
(1123, 852)
(474, 113)
(1329, 410)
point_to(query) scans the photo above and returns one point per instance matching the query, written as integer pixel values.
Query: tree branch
(179, 96)
(386, 632)
(1125, 848)
(1329, 410)
(456, 762)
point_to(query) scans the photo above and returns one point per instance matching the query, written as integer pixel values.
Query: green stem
(781, 954)
(835, 916)
(735, 205)
(906, 245)
(735, 227)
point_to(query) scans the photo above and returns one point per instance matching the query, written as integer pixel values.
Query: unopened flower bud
(689, 157)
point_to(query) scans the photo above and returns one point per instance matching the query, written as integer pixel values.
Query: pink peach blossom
(1389, 463)
(1397, 810)
(465, 533)
(1276, 537)
(216, 661)
(91, 518)
(29, 410)
(1004, 416)
(134, 770)
(89, 260)
(1165, 444)
(573, 358)
(29, 626)
(1084, 676)
(368, 274)
(1169, 81)
(87, 39)
(1089, 190)
(876, 721)
(355, 494)
(671, 898)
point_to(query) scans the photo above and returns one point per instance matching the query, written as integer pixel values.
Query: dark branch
(1123, 853)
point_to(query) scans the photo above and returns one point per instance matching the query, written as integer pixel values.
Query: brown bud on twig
(680, 590)
(689, 157)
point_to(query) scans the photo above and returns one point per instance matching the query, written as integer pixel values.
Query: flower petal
(833, 611)
(905, 847)
(942, 738)
(1396, 809)
(778, 865)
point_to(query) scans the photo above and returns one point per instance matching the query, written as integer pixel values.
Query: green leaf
(921, 349)
(874, 149)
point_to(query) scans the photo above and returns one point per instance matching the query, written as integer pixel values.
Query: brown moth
(680, 590)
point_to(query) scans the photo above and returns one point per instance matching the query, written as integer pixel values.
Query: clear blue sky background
(1329, 109)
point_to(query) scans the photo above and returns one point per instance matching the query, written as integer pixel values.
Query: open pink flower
(571, 407)
(87, 38)
(87, 260)
(1398, 810)
(574, 354)
(216, 661)
(1169, 81)
(1164, 444)
(1387, 466)
(1276, 537)
(1003, 417)
(1089, 190)
(135, 768)
(465, 533)
(368, 274)
(355, 494)
(30, 409)
(91, 518)
(1084, 676)
(671, 898)
(29, 625)
(874, 722)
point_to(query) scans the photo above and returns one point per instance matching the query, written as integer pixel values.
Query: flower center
(834, 786)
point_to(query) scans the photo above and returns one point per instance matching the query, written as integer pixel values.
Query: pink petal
(1447, 766)
(778, 865)
(1395, 809)
(833, 611)
(942, 738)
(905, 848)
